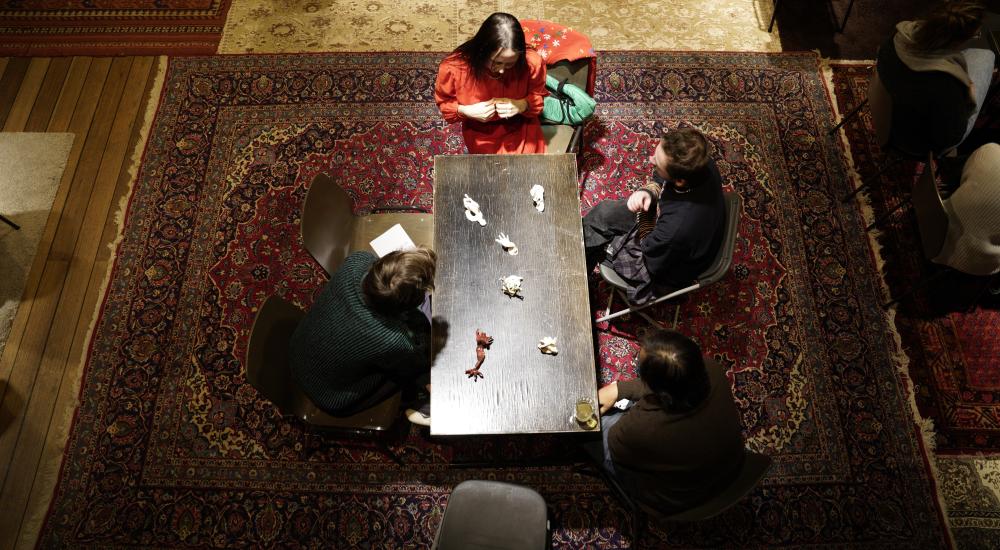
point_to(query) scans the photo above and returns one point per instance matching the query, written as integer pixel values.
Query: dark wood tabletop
(522, 390)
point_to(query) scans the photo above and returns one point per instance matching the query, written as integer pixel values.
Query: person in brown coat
(678, 442)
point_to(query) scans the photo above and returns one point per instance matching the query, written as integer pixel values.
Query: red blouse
(519, 134)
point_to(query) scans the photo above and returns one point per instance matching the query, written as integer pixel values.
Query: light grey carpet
(31, 166)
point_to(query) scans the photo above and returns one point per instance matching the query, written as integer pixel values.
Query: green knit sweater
(342, 351)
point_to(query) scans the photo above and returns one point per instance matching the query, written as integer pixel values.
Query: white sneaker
(418, 417)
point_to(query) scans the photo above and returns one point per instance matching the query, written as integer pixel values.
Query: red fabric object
(555, 43)
(521, 134)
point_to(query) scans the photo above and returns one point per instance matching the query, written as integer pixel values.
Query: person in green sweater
(365, 337)
(678, 442)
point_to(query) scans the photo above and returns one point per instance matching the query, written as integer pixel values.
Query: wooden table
(523, 391)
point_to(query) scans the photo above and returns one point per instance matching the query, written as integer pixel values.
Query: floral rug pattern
(171, 446)
(292, 26)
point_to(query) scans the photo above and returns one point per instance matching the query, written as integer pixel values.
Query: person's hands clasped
(507, 108)
(607, 396)
(482, 111)
(639, 201)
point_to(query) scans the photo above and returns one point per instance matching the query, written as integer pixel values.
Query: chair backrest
(327, 222)
(495, 515)
(754, 468)
(267, 352)
(576, 72)
(880, 106)
(932, 218)
(724, 258)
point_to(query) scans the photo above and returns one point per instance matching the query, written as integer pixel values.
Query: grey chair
(752, 471)
(566, 138)
(331, 230)
(493, 515)
(718, 268)
(268, 371)
(932, 223)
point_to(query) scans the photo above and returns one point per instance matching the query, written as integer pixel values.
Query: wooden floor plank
(80, 122)
(65, 402)
(76, 79)
(20, 383)
(24, 102)
(64, 241)
(10, 83)
(40, 405)
(45, 103)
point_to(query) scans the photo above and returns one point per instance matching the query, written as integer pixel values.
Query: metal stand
(7, 221)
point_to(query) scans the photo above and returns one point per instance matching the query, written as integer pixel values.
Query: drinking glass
(585, 413)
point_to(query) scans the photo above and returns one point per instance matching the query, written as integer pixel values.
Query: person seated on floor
(690, 219)
(937, 88)
(972, 244)
(365, 337)
(678, 442)
(495, 87)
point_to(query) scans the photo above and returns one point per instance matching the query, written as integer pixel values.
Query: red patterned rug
(172, 448)
(111, 27)
(954, 351)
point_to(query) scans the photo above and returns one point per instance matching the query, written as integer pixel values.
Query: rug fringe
(925, 426)
(50, 466)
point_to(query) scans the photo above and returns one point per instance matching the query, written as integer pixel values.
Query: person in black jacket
(678, 441)
(937, 88)
(690, 219)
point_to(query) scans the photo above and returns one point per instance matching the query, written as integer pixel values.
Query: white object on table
(395, 238)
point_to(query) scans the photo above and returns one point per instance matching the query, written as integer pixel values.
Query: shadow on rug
(166, 451)
(953, 348)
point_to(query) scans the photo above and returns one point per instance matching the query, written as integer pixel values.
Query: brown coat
(678, 460)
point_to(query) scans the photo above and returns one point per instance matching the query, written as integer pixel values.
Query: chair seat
(378, 418)
(558, 137)
(612, 277)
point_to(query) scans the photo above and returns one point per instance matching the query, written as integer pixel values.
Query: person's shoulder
(454, 59)
(359, 260)
(534, 60)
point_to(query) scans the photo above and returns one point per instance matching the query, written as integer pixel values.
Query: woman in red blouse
(495, 88)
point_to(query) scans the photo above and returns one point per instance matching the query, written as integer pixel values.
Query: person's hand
(507, 108)
(640, 200)
(607, 396)
(482, 111)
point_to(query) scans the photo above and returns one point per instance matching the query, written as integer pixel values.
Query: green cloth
(343, 351)
(560, 111)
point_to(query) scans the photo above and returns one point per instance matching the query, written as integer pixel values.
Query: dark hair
(398, 281)
(500, 31)
(687, 155)
(949, 25)
(674, 369)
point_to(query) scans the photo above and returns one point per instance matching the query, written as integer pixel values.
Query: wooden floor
(102, 101)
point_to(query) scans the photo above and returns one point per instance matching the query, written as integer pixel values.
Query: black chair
(752, 471)
(331, 230)
(716, 271)
(268, 371)
(843, 23)
(566, 138)
(493, 515)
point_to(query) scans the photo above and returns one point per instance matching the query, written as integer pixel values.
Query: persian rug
(121, 27)
(953, 351)
(970, 488)
(31, 166)
(170, 447)
(291, 26)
